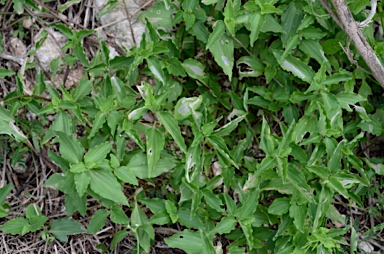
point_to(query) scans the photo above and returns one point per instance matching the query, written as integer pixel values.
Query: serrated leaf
(194, 69)
(37, 222)
(186, 106)
(170, 123)
(118, 216)
(82, 181)
(220, 146)
(334, 164)
(298, 214)
(213, 200)
(186, 240)
(97, 154)
(97, 123)
(139, 166)
(298, 180)
(249, 67)
(248, 204)
(189, 19)
(126, 175)
(229, 127)
(97, 221)
(225, 226)
(4, 192)
(256, 22)
(222, 51)
(171, 209)
(61, 228)
(14, 226)
(266, 141)
(155, 144)
(104, 183)
(117, 237)
(155, 67)
(70, 148)
(279, 206)
(295, 66)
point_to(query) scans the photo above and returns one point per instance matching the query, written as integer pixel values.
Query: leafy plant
(246, 119)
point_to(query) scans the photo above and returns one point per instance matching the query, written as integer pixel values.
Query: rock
(51, 48)
(121, 30)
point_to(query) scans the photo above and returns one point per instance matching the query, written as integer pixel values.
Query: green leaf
(155, 67)
(229, 17)
(256, 22)
(187, 106)
(97, 154)
(117, 237)
(295, 66)
(298, 214)
(171, 209)
(70, 148)
(189, 19)
(118, 216)
(266, 141)
(194, 69)
(267, 163)
(213, 200)
(207, 244)
(97, 123)
(4, 192)
(249, 67)
(104, 183)
(247, 230)
(225, 226)
(299, 181)
(170, 123)
(337, 186)
(176, 68)
(216, 34)
(61, 228)
(5, 73)
(37, 222)
(279, 206)
(9, 128)
(155, 144)
(82, 181)
(229, 127)
(67, 5)
(5, 115)
(248, 204)
(139, 166)
(97, 221)
(15, 226)
(222, 149)
(222, 51)
(334, 164)
(67, 32)
(186, 240)
(331, 46)
(126, 175)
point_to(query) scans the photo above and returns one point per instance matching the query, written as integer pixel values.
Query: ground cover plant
(232, 127)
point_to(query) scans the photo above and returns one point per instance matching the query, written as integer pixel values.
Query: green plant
(245, 123)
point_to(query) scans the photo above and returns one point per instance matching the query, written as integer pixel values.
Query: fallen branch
(352, 29)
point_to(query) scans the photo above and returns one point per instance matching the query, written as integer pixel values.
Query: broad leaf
(70, 148)
(61, 228)
(155, 144)
(104, 183)
(170, 123)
